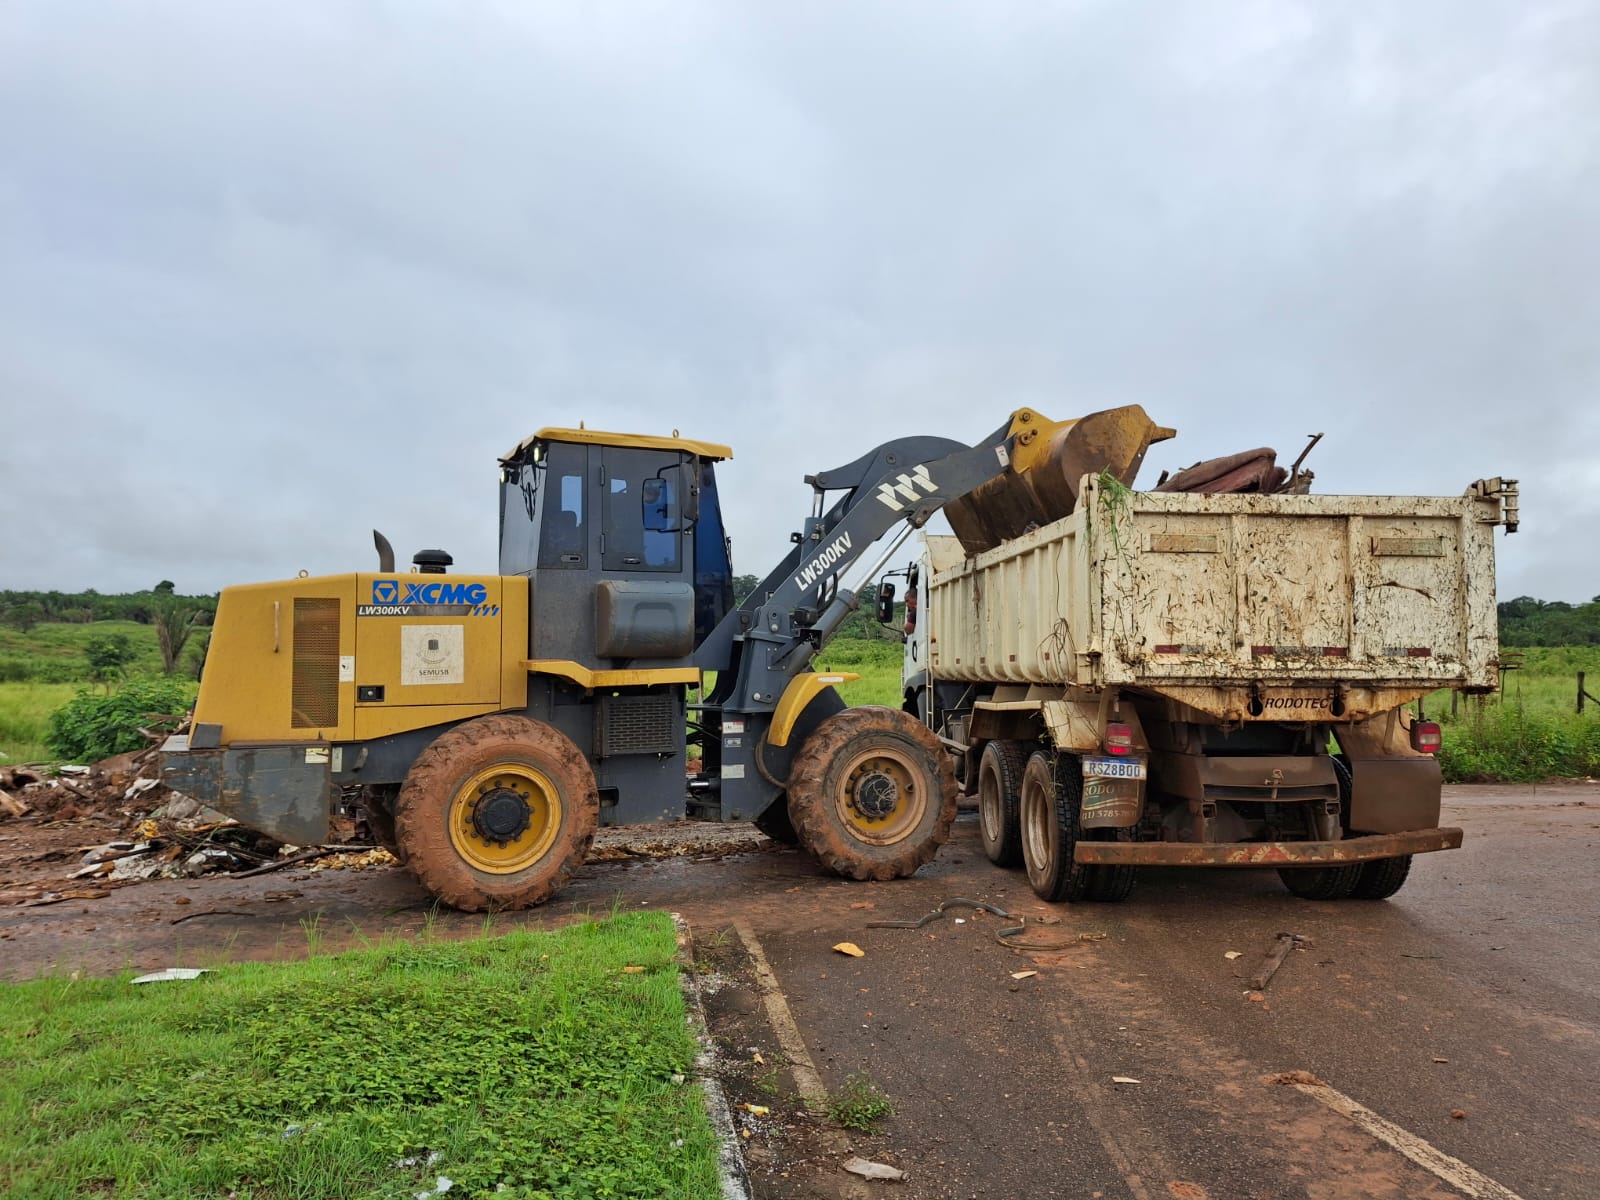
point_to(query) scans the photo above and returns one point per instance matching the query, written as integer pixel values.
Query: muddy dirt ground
(1465, 1012)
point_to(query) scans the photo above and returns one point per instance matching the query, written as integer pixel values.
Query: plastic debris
(1123, 1079)
(418, 1160)
(872, 1170)
(172, 975)
(850, 948)
(1023, 974)
(756, 1110)
(440, 1187)
(1233, 954)
(633, 970)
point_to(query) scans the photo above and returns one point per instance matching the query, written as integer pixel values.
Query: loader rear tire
(872, 794)
(1382, 878)
(497, 813)
(1000, 770)
(1321, 883)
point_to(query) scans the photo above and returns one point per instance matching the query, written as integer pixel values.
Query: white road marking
(1452, 1170)
(806, 1077)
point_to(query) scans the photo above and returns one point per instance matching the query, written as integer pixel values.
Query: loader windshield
(544, 522)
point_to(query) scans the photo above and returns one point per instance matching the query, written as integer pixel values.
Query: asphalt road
(1475, 991)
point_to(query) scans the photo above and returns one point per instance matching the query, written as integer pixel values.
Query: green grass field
(25, 710)
(50, 653)
(532, 1066)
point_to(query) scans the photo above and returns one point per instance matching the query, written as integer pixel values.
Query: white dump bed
(1179, 593)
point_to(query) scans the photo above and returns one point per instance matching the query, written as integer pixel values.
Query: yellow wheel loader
(489, 723)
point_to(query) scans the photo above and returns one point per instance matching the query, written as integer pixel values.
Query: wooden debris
(1269, 966)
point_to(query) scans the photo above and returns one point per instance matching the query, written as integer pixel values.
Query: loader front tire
(497, 813)
(1000, 770)
(872, 794)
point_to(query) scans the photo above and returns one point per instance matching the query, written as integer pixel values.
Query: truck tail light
(1425, 737)
(1119, 738)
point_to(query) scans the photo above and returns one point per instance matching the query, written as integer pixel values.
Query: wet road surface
(1475, 991)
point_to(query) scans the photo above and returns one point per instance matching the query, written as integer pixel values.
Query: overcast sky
(273, 275)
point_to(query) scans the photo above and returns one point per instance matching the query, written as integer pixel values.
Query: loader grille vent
(315, 690)
(637, 725)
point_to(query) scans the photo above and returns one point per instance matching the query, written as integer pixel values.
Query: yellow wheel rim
(505, 818)
(880, 798)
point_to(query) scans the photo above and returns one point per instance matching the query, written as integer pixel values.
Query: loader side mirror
(671, 500)
(885, 603)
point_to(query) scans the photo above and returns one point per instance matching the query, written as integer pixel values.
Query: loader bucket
(1050, 460)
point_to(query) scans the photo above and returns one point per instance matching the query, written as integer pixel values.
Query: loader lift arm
(770, 638)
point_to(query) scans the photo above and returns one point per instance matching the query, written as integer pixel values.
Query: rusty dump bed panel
(1230, 602)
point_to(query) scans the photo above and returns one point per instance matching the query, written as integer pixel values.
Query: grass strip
(526, 1066)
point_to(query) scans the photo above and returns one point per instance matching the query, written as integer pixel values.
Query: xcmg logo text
(395, 591)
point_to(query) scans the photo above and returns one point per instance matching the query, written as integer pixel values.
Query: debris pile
(158, 833)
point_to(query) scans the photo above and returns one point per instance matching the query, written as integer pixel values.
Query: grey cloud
(270, 277)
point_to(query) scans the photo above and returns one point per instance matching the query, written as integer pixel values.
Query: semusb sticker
(436, 598)
(432, 654)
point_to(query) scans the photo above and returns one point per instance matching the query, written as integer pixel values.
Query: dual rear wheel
(1029, 798)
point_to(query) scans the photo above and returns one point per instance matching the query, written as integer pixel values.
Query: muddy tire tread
(811, 801)
(422, 812)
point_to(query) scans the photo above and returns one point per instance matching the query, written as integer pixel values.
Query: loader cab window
(643, 518)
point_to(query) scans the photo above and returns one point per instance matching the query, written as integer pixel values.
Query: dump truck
(1190, 679)
(486, 724)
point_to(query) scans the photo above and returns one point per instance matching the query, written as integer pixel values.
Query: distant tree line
(23, 610)
(1529, 622)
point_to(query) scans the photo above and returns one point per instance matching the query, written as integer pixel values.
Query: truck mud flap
(1267, 854)
(281, 791)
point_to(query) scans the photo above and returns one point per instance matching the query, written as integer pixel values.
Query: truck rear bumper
(1267, 854)
(278, 790)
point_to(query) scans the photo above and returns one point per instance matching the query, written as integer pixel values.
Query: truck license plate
(1113, 768)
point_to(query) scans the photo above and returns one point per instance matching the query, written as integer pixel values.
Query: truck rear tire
(1000, 770)
(1382, 878)
(1321, 883)
(1052, 794)
(497, 813)
(872, 794)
